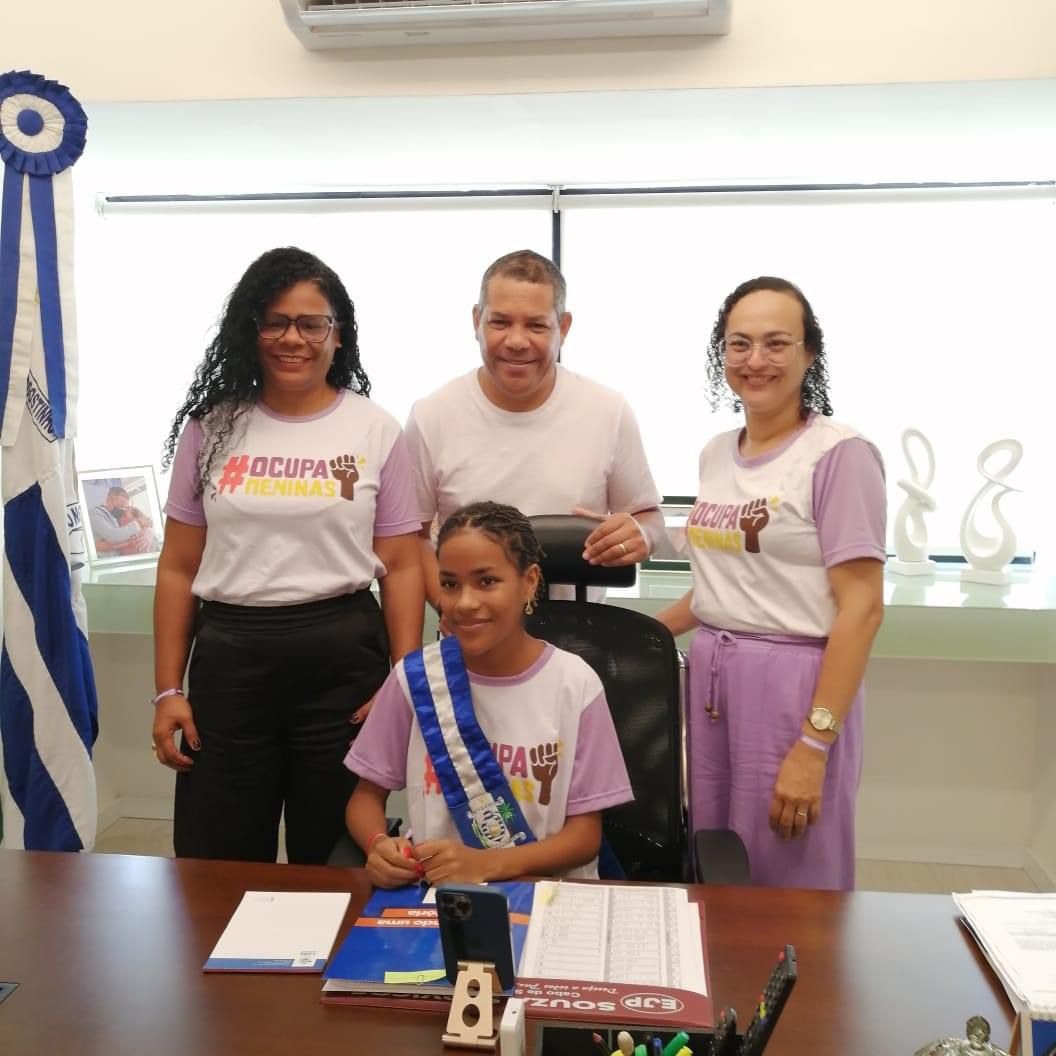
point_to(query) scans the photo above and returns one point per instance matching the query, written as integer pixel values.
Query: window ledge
(932, 617)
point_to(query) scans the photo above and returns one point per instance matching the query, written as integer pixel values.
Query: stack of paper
(641, 935)
(280, 931)
(1018, 935)
(631, 954)
(1017, 932)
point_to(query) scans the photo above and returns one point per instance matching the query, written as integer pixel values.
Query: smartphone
(475, 926)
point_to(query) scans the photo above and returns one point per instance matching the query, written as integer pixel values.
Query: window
(151, 287)
(934, 307)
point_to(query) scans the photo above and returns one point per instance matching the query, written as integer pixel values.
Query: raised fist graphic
(344, 469)
(754, 519)
(544, 768)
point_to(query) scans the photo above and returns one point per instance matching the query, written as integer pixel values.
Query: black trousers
(272, 691)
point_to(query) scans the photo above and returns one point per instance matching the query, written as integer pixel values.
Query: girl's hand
(796, 801)
(391, 862)
(448, 860)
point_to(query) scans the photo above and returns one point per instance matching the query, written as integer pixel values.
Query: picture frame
(121, 514)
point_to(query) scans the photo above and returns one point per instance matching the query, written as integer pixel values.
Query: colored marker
(675, 1046)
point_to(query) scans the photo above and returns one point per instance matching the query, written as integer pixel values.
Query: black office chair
(347, 854)
(638, 664)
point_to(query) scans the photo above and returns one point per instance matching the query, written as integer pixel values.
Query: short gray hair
(527, 266)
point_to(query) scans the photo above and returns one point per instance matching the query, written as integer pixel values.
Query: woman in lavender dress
(786, 543)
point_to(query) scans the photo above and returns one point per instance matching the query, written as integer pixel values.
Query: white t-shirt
(580, 448)
(295, 503)
(550, 730)
(764, 530)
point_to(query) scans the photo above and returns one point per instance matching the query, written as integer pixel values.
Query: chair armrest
(719, 857)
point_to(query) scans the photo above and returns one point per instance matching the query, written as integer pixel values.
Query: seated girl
(504, 743)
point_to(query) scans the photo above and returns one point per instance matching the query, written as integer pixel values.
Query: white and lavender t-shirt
(582, 447)
(295, 503)
(549, 727)
(764, 530)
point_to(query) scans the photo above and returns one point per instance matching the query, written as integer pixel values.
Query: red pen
(408, 853)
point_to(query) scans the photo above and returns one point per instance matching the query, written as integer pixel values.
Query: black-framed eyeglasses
(313, 328)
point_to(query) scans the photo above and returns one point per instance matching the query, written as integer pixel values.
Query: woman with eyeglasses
(787, 543)
(291, 492)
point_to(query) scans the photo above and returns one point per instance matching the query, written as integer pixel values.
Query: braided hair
(814, 393)
(505, 525)
(228, 380)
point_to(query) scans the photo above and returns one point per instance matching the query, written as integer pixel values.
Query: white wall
(949, 770)
(129, 781)
(1042, 851)
(241, 49)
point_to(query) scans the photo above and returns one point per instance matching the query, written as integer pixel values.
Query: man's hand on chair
(617, 540)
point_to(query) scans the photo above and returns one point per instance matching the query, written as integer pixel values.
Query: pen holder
(471, 1021)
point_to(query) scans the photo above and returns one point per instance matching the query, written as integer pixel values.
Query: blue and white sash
(477, 794)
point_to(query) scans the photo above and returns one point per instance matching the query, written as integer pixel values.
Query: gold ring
(801, 813)
(623, 549)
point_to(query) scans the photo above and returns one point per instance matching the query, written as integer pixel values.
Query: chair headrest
(562, 537)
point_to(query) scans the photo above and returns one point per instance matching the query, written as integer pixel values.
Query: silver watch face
(821, 719)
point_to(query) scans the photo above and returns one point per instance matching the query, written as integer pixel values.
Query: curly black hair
(814, 393)
(228, 380)
(505, 525)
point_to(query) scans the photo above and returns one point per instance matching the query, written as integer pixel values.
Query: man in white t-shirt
(521, 429)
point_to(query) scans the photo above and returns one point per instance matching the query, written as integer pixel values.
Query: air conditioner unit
(322, 24)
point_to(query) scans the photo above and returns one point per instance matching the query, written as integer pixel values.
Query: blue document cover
(1039, 1035)
(394, 946)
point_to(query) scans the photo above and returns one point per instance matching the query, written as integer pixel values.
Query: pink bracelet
(374, 839)
(813, 742)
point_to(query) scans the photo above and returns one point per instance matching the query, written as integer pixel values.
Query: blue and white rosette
(42, 133)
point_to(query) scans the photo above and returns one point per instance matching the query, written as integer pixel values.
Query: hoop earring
(529, 608)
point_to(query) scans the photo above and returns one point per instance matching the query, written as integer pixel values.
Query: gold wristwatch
(824, 721)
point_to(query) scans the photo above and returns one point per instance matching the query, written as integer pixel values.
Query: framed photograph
(122, 515)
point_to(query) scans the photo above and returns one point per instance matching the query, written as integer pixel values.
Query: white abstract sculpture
(988, 554)
(911, 534)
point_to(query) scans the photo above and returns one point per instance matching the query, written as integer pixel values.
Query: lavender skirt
(762, 687)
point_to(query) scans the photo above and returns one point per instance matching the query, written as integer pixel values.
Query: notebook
(394, 949)
(280, 931)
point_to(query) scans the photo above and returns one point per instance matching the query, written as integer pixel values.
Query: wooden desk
(108, 951)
